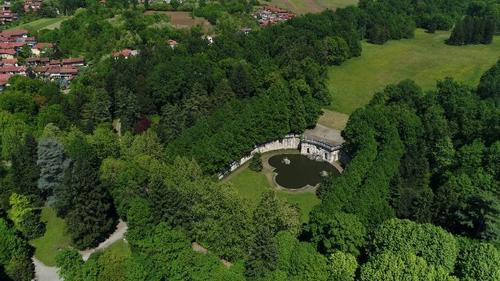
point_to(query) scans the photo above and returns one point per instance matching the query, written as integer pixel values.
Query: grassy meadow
(54, 239)
(251, 185)
(425, 59)
(311, 6)
(39, 24)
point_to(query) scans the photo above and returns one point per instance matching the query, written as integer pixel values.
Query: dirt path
(119, 233)
(45, 273)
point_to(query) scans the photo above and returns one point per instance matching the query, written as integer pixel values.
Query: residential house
(32, 5)
(6, 15)
(41, 48)
(126, 53)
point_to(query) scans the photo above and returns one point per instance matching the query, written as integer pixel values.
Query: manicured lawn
(311, 6)
(251, 185)
(55, 238)
(424, 59)
(39, 24)
(119, 249)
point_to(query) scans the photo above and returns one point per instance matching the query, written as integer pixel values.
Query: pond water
(296, 170)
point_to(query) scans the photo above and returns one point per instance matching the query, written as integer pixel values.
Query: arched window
(308, 151)
(326, 155)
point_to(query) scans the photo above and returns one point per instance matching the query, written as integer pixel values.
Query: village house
(74, 62)
(4, 80)
(18, 35)
(125, 53)
(32, 5)
(13, 70)
(270, 15)
(41, 48)
(7, 53)
(9, 62)
(172, 43)
(6, 15)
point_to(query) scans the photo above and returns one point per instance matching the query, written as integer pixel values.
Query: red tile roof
(73, 61)
(7, 51)
(43, 46)
(9, 61)
(4, 79)
(12, 68)
(14, 33)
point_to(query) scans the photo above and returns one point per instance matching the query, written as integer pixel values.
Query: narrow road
(49, 273)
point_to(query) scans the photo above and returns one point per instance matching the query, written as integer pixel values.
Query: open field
(55, 238)
(251, 185)
(311, 6)
(333, 119)
(39, 24)
(424, 59)
(183, 19)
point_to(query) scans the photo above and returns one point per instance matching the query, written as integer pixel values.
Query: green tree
(86, 205)
(25, 217)
(25, 172)
(336, 231)
(478, 261)
(256, 162)
(388, 266)
(342, 267)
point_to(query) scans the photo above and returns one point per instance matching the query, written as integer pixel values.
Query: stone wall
(307, 146)
(288, 142)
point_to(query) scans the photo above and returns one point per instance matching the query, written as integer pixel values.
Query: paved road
(49, 273)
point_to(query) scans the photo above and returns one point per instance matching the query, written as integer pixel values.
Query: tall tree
(52, 163)
(25, 172)
(86, 205)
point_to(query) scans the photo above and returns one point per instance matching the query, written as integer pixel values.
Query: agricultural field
(425, 59)
(39, 24)
(311, 6)
(184, 19)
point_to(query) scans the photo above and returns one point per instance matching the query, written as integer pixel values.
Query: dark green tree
(25, 172)
(256, 162)
(86, 205)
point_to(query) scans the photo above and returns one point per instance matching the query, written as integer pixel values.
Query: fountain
(296, 171)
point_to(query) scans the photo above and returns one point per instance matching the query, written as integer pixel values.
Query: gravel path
(119, 233)
(45, 273)
(49, 273)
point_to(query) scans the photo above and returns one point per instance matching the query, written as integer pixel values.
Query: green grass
(311, 6)
(119, 249)
(39, 24)
(55, 238)
(251, 185)
(425, 59)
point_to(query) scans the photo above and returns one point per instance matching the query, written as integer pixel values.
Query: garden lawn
(251, 185)
(119, 249)
(425, 59)
(311, 6)
(39, 24)
(54, 239)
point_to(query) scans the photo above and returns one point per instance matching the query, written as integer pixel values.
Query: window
(308, 151)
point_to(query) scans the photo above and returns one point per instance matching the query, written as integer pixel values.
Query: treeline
(204, 95)
(428, 157)
(478, 26)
